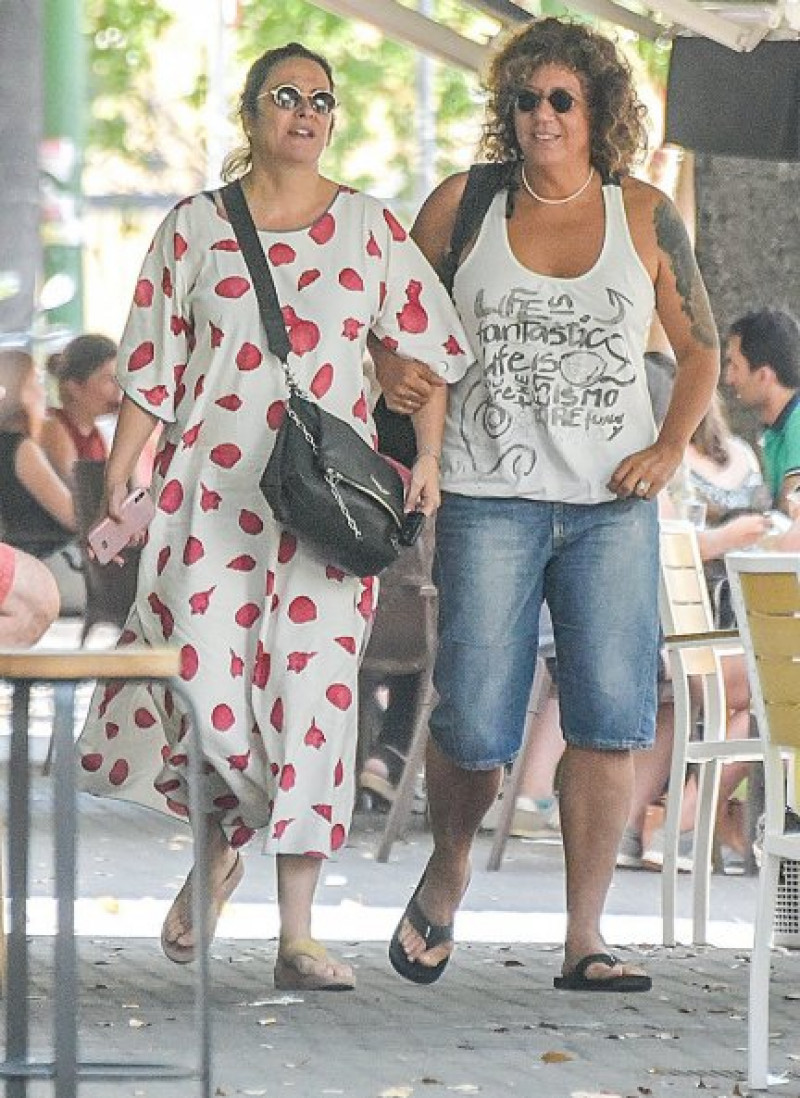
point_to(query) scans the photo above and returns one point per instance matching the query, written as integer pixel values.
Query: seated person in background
(36, 507)
(721, 471)
(87, 389)
(762, 367)
(29, 599)
(388, 727)
(536, 814)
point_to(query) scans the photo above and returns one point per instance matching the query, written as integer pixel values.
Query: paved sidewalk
(492, 1026)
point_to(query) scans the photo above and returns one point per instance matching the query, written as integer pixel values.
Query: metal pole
(62, 151)
(20, 125)
(426, 118)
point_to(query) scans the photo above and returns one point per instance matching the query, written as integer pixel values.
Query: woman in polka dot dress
(270, 634)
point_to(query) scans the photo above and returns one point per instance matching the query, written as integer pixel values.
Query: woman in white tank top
(550, 466)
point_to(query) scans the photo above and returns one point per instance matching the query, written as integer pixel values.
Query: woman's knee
(33, 601)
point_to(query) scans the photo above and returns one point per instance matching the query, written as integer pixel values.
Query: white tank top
(557, 395)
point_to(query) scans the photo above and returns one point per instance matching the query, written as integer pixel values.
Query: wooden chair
(64, 670)
(685, 609)
(403, 642)
(765, 590)
(110, 589)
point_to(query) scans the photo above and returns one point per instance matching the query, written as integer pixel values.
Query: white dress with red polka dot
(270, 635)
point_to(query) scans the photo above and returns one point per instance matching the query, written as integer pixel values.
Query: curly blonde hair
(617, 116)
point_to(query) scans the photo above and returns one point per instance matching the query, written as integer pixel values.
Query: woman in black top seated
(36, 508)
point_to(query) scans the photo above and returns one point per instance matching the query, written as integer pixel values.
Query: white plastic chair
(765, 590)
(695, 649)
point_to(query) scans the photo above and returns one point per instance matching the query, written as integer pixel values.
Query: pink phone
(109, 538)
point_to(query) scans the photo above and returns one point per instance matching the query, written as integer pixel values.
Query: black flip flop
(577, 980)
(433, 933)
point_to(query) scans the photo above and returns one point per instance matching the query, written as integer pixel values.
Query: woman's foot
(177, 934)
(304, 965)
(382, 772)
(601, 971)
(438, 898)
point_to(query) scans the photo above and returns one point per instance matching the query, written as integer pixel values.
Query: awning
(738, 26)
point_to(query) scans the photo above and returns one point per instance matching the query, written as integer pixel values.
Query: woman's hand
(406, 383)
(738, 533)
(646, 472)
(111, 508)
(423, 493)
(744, 530)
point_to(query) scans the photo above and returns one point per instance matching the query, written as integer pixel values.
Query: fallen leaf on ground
(555, 1056)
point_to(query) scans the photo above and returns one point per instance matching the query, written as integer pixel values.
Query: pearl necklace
(556, 201)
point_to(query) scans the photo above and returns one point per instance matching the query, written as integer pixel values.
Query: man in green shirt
(762, 366)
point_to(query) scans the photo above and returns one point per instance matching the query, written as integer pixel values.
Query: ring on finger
(643, 487)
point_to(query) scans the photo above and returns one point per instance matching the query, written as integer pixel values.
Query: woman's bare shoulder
(433, 226)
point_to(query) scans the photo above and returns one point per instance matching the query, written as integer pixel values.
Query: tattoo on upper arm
(674, 242)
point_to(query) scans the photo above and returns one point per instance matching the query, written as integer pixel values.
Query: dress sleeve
(417, 318)
(158, 336)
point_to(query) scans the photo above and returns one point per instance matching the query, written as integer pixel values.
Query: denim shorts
(597, 567)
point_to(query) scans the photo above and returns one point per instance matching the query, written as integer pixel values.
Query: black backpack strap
(246, 233)
(483, 183)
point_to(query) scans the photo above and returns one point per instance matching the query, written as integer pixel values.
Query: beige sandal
(292, 975)
(181, 954)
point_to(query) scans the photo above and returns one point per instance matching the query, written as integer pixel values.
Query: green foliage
(376, 144)
(120, 35)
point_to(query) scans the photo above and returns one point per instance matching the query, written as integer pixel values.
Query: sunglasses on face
(287, 97)
(559, 99)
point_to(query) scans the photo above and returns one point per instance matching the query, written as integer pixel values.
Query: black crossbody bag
(322, 480)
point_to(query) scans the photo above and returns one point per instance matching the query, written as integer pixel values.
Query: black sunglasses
(559, 99)
(288, 98)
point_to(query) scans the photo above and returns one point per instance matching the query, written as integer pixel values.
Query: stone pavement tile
(493, 1026)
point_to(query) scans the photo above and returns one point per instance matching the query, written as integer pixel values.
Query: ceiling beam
(417, 30)
(504, 10)
(621, 16)
(742, 37)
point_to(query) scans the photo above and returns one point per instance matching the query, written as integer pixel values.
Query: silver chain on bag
(332, 478)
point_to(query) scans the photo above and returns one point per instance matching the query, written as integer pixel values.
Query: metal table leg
(66, 670)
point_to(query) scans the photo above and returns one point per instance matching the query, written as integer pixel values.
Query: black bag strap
(483, 183)
(244, 229)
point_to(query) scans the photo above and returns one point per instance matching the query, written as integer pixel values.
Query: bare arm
(423, 494)
(59, 447)
(408, 384)
(787, 501)
(684, 311)
(36, 474)
(134, 427)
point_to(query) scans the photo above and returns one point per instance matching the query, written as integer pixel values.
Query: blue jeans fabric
(597, 567)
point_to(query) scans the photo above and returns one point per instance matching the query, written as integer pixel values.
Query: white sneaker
(629, 854)
(653, 857)
(536, 818)
(532, 819)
